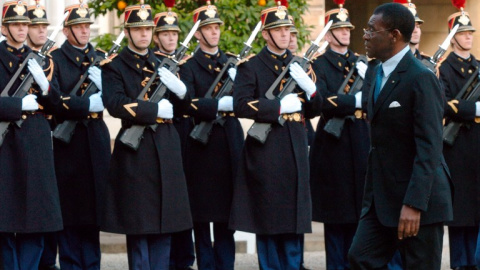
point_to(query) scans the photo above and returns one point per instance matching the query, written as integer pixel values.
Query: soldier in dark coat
(462, 156)
(29, 197)
(272, 190)
(165, 37)
(146, 195)
(417, 33)
(210, 168)
(338, 165)
(37, 36)
(82, 164)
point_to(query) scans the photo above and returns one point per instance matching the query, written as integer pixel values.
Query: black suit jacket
(406, 165)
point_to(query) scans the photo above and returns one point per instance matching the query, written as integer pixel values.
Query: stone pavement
(114, 255)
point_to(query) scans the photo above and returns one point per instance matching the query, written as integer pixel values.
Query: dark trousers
(338, 239)
(374, 246)
(49, 255)
(21, 251)
(462, 241)
(396, 262)
(79, 248)
(477, 251)
(182, 253)
(148, 252)
(279, 252)
(220, 255)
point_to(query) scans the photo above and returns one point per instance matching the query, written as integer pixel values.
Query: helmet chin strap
(205, 39)
(33, 43)
(10, 33)
(133, 42)
(458, 43)
(74, 36)
(274, 42)
(341, 44)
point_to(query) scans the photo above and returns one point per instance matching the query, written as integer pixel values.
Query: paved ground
(115, 257)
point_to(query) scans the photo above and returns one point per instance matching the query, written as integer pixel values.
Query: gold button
(276, 67)
(209, 66)
(24, 117)
(463, 70)
(470, 71)
(138, 66)
(78, 59)
(339, 64)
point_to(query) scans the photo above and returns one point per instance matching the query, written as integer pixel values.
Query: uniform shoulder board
(424, 55)
(185, 59)
(357, 54)
(316, 55)
(162, 54)
(108, 60)
(100, 50)
(245, 59)
(229, 54)
(53, 49)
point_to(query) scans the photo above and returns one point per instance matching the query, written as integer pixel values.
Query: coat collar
(463, 67)
(76, 56)
(339, 61)
(137, 62)
(9, 59)
(390, 84)
(206, 61)
(273, 62)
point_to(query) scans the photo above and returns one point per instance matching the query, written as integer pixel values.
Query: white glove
(361, 69)
(95, 75)
(96, 103)
(172, 82)
(358, 100)
(29, 103)
(225, 104)
(290, 103)
(232, 72)
(302, 79)
(165, 109)
(38, 75)
(477, 109)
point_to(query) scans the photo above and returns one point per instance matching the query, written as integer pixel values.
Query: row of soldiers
(156, 192)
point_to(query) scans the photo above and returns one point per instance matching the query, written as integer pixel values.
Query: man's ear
(265, 34)
(197, 35)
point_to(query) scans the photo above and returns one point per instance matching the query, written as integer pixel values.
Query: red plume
(339, 2)
(169, 3)
(458, 3)
(401, 1)
(284, 3)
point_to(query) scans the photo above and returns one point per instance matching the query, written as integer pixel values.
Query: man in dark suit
(407, 191)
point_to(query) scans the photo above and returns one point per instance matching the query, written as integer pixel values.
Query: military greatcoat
(272, 187)
(146, 190)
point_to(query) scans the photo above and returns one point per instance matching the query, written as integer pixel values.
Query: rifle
(202, 131)
(27, 81)
(66, 129)
(260, 131)
(470, 92)
(132, 136)
(335, 125)
(432, 62)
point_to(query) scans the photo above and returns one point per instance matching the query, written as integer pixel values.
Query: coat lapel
(392, 82)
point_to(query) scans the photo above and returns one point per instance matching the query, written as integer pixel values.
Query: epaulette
(53, 49)
(245, 59)
(316, 55)
(425, 55)
(162, 54)
(231, 54)
(356, 54)
(100, 50)
(108, 60)
(185, 59)
(439, 64)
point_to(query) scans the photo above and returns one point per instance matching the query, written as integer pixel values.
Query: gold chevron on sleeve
(251, 104)
(129, 109)
(452, 103)
(330, 99)
(193, 105)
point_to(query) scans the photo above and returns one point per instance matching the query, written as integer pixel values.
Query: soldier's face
(140, 36)
(210, 32)
(16, 33)
(78, 34)
(279, 36)
(464, 39)
(293, 46)
(166, 40)
(417, 33)
(378, 39)
(38, 33)
(342, 34)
